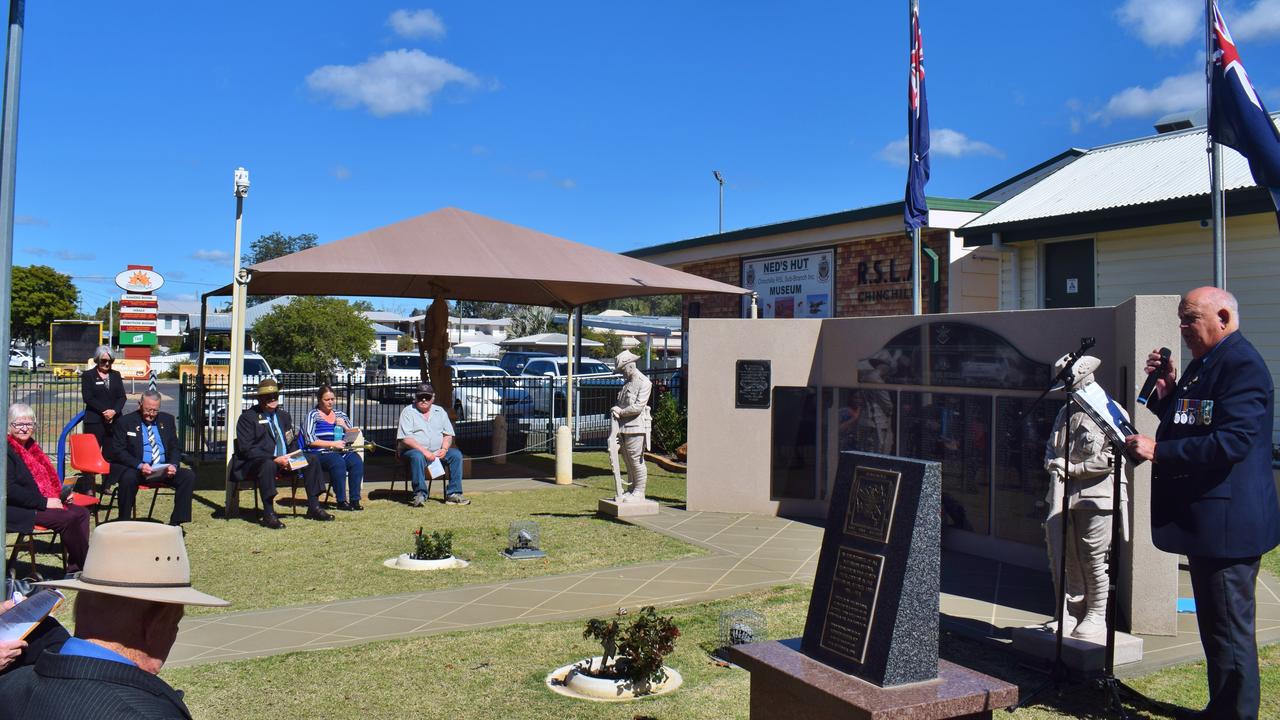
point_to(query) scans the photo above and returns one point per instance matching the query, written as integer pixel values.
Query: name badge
(131, 434)
(263, 422)
(100, 382)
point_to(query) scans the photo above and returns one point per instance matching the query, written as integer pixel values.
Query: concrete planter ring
(406, 562)
(575, 680)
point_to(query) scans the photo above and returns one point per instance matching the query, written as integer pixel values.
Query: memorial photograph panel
(1020, 478)
(955, 430)
(793, 472)
(962, 355)
(899, 362)
(867, 420)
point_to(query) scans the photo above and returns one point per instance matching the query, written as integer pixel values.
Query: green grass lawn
(310, 561)
(499, 673)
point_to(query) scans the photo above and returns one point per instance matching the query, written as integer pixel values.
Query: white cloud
(73, 255)
(1163, 22)
(1174, 93)
(416, 24)
(218, 257)
(398, 81)
(30, 220)
(943, 141)
(36, 251)
(1261, 20)
(568, 184)
(341, 172)
(479, 150)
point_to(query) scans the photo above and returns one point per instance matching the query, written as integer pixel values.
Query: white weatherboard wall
(1170, 260)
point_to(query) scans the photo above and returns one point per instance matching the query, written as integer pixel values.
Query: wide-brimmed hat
(140, 560)
(625, 357)
(1085, 366)
(267, 387)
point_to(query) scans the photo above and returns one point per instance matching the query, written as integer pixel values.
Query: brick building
(855, 263)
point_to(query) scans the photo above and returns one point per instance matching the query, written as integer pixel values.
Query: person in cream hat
(129, 600)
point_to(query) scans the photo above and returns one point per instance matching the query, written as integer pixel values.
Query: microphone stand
(1066, 378)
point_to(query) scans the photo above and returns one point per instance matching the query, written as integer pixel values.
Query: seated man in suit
(264, 436)
(142, 441)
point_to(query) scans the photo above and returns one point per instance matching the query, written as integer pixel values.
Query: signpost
(138, 312)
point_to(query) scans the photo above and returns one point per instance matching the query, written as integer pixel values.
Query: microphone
(1150, 385)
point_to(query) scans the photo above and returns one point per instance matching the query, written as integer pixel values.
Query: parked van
(390, 377)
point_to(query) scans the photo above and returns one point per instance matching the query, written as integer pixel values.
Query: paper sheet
(436, 468)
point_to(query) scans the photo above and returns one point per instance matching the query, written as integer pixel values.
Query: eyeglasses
(424, 398)
(108, 361)
(22, 425)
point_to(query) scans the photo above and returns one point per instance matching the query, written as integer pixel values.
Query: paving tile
(216, 635)
(577, 602)
(421, 610)
(274, 641)
(321, 621)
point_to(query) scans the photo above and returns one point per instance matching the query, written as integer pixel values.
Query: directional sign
(137, 338)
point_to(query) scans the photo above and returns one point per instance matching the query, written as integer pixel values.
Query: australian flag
(915, 210)
(1237, 117)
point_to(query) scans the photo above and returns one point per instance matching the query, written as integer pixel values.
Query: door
(1068, 274)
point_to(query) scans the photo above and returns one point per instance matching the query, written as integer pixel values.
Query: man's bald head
(1206, 315)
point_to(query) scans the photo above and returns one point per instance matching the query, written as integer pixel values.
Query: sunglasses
(106, 361)
(269, 398)
(426, 397)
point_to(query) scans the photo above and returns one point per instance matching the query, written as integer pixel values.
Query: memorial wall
(957, 389)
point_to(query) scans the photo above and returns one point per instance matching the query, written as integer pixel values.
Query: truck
(71, 345)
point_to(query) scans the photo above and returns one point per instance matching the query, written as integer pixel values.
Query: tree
(482, 309)
(404, 343)
(40, 296)
(272, 246)
(529, 320)
(611, 342)
(314, 334)
(654, 305)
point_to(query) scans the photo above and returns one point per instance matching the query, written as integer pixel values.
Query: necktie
(275, 431)
(151, 440)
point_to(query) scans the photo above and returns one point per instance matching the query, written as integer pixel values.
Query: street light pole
(720, 179)
(235, 371)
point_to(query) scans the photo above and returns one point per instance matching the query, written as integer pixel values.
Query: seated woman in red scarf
(35, 490)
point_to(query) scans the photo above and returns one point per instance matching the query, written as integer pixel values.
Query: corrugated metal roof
(1137, 172)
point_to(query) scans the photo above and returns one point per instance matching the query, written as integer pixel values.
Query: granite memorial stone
(874, 609)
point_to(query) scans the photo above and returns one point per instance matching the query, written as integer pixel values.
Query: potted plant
(432, 551)
(631, 664)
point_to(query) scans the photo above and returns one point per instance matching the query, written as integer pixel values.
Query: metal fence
(55, 402)
(530, 407)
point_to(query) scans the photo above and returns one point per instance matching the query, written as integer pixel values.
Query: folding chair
(404, 473)
(26, 541)
(86, 457)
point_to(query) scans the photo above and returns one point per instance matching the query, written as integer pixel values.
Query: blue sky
(597, 122)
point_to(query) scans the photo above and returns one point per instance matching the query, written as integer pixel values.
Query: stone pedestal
(609, 507)
(788, 685)
(1084, 656)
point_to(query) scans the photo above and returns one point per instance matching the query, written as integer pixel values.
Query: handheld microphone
(1150, 385)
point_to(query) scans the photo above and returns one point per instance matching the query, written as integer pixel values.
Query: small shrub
(436, 546)
(634, 653)
(670, 424)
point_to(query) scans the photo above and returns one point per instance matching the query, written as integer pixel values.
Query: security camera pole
(235, 371)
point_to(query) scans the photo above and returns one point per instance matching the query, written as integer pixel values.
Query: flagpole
(1215, 161)
(913, 6)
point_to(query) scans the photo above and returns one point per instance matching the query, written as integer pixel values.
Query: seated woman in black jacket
(35, 490)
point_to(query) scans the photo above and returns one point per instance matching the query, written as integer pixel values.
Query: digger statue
(631, 427)
(1088, 475)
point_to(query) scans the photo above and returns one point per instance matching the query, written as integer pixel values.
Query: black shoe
(342, 505)
(356, 505)
(272, 522)
(318, 514)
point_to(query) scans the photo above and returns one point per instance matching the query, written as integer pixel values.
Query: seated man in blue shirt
(141, 442)
(126, 620)
(425, 434)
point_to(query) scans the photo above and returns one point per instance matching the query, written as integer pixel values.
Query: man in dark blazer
(141, 440)
(126, 620)
(264, 438)
(102, 390)
(1213, 498)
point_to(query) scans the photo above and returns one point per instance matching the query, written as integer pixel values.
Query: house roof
(556, 340)
(892, 209)
(1152, 180)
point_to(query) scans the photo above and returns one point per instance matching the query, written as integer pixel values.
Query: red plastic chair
(86, 457)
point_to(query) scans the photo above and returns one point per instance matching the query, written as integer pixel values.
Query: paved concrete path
(749, 552)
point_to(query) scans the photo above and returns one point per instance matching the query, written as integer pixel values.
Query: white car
(481, 392)
(256, 370)
(22, 359)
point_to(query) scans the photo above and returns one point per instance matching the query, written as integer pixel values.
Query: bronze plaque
(871, 502)
(855, 585)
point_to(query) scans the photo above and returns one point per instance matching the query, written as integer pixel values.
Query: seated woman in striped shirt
(323, 433)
